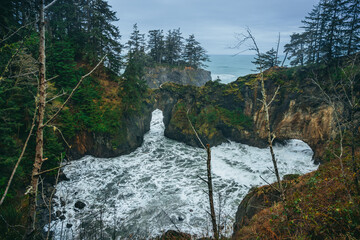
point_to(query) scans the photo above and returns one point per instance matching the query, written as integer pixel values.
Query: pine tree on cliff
(136, 46)
(296, 49)
(194, 54)
(333, 39)
(332, 30)
(156, 45)
(314, 28)
(266, 60)
(173, 47)
(352, 27)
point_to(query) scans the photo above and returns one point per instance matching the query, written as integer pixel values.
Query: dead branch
(197, 136)
(202, 179)
(49, 5)
(57, 96)
(270, 184)
(49, 170)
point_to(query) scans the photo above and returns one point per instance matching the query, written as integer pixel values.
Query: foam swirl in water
(157, 188)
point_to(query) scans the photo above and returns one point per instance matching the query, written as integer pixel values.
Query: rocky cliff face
(126, 140)
(220, 112)
(154, 77)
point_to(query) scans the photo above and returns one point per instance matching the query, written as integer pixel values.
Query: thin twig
(49, 170)
(187, 115)
(171, 220)
(270, 184)
(202, 179)
(49, 5)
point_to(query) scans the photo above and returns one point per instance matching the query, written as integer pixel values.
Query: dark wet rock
(63, 177)
(124, 140)
(58, 213)
(62, 202)
(181, 218)
(256, 200)
(62, 217)
(69, 225)
(80, 205)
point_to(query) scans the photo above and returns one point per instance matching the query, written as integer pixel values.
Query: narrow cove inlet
(157, 187)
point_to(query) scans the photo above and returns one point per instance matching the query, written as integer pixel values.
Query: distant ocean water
(229, 67)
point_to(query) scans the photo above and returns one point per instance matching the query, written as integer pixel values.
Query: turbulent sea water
(157, 188)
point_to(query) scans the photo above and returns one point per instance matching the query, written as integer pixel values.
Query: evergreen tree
(332, 30)
(194, 54)
(156, 45)
(333, 17)
(173, 47)
(295, 49)
(87, 24)
(136, 43)
(314, 28)
(352, 27)
(266, 60)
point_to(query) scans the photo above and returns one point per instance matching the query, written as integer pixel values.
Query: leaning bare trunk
(40, 120)
(270, 137)
(211, 197)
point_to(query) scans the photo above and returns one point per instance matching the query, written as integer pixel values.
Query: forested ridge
(78, 35)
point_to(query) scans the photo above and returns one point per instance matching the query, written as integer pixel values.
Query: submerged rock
(80, 205)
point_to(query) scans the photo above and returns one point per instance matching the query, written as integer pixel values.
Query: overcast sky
(215, 22)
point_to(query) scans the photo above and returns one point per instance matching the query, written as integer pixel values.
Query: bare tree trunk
(40, 120)
(211, 195)
(208, 181)
(266, 106)
(270, 137)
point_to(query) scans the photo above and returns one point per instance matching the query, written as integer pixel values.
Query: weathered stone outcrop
(296, 113)
(154, 77)
(129, 137)
(256, 200)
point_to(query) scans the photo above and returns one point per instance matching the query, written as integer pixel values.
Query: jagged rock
(69, 225)
(256, 200)
(80, 205)
(63, 177)
(58, 213)
(62, 202)
(62, 217)
(293, 115)
(111, 145)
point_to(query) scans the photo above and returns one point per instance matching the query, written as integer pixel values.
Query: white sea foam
(157, 186)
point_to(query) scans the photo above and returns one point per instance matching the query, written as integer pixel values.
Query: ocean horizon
(229, 67)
